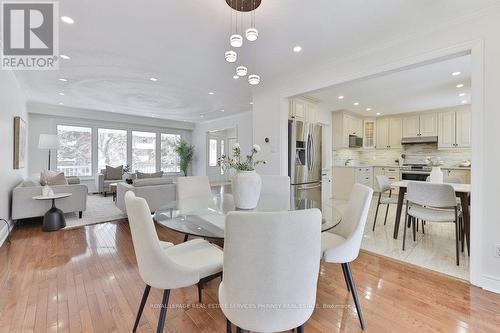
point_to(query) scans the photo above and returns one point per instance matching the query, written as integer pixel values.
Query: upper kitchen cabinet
(389, 133)
(425, 124)
(369, 133)
(303, 110)
(454, 130)
(343, 125)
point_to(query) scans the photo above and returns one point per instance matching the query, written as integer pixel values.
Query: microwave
(355, 142)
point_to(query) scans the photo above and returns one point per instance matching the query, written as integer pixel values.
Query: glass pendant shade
(230, 56)
(241, 71)
(252, 34)
(236, 40)
(253, 79)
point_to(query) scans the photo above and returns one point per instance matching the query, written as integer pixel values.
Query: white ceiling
(425, 87)
(117, 45)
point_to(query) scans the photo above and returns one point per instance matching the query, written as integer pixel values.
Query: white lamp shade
(241, 71)
(236, 40)
(231, 56)
(252, 34)
(253, 79)
(48, 141)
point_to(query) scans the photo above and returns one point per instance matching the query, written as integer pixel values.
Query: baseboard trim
(491, 283)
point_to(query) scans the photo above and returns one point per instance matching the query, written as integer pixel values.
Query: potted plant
(246, 183)
(186, 153)
(436, 173)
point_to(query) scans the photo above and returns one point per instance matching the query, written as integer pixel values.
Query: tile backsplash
(451, 157)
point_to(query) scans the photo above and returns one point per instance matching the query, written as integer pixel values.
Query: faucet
(348, 161)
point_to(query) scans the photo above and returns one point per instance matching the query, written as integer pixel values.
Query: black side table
(54, 218)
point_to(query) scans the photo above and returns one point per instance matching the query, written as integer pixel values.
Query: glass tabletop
(208, 221)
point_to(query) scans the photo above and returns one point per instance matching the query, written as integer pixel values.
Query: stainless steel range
(418, 172)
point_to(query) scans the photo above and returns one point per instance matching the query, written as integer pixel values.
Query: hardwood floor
(86, 280)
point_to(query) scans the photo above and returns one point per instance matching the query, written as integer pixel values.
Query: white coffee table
(54, 218)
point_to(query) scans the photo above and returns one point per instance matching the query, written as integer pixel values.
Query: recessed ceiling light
(184, 120)
(456, 73)
(355, 103)
(464, 102)
(64, 56)
(201, 116)
(461, 94)
(340, 97)
(211, 93)
(378, 113)
(61, 93)
(63, 80)
(153, 79)
(221, 110)
(251, 103)
(67, 19)
(236, 77)
(61, 103)
(461, 85)
(368, 109)
(297, 49)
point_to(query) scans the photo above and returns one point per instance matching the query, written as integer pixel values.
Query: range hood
(419, 140)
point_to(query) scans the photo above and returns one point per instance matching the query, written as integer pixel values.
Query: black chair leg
(355, 295)
(200, 288)
(386, 211)
(163, 312)
(186, 238)
(414, 222)
(456, 242)
(423, 228)
(228, 326)
(346, 278)
(141, 307)
(404, 231)
(376, 212)
(300, 329)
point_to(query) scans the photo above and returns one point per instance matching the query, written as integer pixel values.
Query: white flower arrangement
(434, 161)
(236, 162)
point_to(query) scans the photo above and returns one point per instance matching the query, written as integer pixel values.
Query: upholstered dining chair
(164, 265)
(271, 260)
(193, 193)
(384, 185)
(432, 203)
(342, 245)
(274, 193)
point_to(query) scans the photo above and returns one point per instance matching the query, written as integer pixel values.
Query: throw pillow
(113, 173)
(52, 178)
(141, 175)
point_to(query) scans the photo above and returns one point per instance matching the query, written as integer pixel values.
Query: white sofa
(157, 191)
(24, 206)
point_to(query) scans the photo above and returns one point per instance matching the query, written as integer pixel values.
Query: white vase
(437, 175)
(47, 191)
(246, 189)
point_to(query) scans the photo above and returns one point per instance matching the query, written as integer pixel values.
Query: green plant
(236, 162)
(185, 152)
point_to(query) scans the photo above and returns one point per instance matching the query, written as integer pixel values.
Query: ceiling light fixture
(461, 95)
(297, 49)
(252, 34)
(251, 103)
(460, 85)
(61, 93)
(236, 77)
(65, 57)
(63, 80)
(241, 71)
(236, 40)
(464, 102)
(378, 113)
(67, 19)
(61, 103)
(153, 79)
(368, 109)
(456, 73)
(341, 97)
(253, 79)
(221, 110)
(231, 56)
(211, 93)
(355, 103)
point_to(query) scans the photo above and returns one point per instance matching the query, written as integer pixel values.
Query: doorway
(218, 144)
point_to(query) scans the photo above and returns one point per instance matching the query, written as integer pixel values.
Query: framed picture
(20, 141)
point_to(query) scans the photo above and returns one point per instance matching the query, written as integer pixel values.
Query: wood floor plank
(86, 280)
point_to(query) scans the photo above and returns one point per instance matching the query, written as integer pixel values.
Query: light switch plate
(497, 251)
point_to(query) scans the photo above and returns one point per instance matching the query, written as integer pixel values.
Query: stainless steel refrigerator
(304, 164)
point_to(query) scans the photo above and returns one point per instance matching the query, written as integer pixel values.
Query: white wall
(243, 124)
(12, 104)
(44, 119)
(481, 33)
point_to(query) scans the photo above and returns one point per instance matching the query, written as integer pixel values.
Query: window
(144, 151)
(74, 156)
(212, 152)
(111, 147)
(169, 159)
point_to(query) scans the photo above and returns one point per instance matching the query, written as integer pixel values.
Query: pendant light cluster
(238, 7)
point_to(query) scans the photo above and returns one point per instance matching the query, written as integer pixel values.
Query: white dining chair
(342, 245)
(274, 193)
(271, 260)
(193, 194)
(163, 265)
(384, 185)
(432, 203)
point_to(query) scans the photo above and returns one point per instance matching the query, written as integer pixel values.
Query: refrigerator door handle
(305, 188)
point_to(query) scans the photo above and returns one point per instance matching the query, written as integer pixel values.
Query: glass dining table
(208, 221)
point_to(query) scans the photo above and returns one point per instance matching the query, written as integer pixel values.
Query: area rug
(100, 209)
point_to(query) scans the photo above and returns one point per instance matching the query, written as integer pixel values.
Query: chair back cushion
(274, 193)
(431, 195)
(352, 226)
(142, 175)
(113, 173)
(193, 193)
(384, 184)
(271, 260)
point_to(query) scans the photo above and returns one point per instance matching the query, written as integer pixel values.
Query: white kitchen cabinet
(343, 125)
(357, 127)
(425, 124)
(382, 134)
(344, 179)
(369, 131)
(302, 110)
(463, 175)
(389, 133)
(454, 130)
